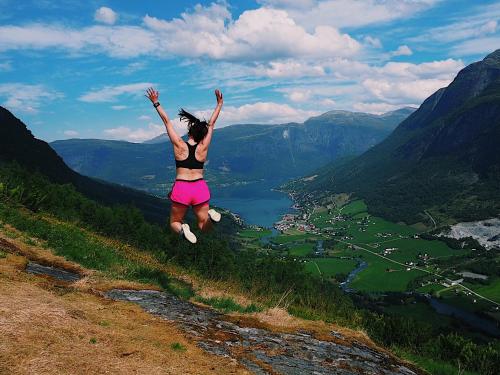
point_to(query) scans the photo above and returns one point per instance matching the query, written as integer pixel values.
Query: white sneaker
(186, 231)
(214, 215)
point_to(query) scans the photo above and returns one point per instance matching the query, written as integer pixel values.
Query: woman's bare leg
(177, 214)
(201, 212)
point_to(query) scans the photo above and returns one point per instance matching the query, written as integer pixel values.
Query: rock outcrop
(260, 350)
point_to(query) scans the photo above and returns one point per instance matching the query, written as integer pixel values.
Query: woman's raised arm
(172, 134)
(206, 141)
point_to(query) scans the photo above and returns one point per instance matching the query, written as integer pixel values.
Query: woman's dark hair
(196, 128)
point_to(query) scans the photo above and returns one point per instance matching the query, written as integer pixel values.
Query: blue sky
(80, 68)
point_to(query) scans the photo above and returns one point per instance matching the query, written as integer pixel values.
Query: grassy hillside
(19, 145)
(72, 229)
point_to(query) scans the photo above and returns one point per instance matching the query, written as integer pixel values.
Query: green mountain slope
(18, 144)
(444, 157)
(238, 153)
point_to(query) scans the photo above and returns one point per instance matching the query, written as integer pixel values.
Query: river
(477, 322)
(471, 319)
(345, 285)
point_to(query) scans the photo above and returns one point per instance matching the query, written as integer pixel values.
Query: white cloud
(105, 15)
(111, 93)
(373, 42)
(460, 31)
(288, 69)
(210, 32)
(299, 95)
(328, 103)
(26, 98)
(403, 50)
(134, 134)
(5, 66)
(206, 32)
(133, 67)
(477, 46)
(71, 133)
(298, 4)
(118, 107)
(478, 23)
(442, 69)
(116, 41)
(351, 13)
(144, 117)
(403, 91)
(394, 83)
(262, 113)
(255, 113)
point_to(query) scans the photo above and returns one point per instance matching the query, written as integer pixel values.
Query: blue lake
(256, 203)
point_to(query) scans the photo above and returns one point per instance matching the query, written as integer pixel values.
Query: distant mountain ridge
(341, 116)
(18, 144)
(444, 157)
(238, 153)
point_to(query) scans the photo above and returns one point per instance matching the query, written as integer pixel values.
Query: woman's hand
(152, 95)
(218, 95)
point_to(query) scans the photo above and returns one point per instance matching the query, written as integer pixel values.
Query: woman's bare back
(181, 152)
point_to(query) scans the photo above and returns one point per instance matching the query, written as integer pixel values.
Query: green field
(408, 249)
(375, 278)
(420, 311)
(463, 301)
(302, 249)
(376, 234)
(287, 239)
(354, 207)
(431, 288)
(330, 266)
(253, 233)
(491, 291)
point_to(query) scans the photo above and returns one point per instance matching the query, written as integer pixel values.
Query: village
(343, 227)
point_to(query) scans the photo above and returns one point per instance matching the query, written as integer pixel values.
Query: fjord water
(255, 203)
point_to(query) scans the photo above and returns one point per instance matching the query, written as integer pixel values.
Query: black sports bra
(190, 162)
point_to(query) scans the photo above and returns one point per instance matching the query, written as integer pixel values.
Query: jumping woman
(189, 188)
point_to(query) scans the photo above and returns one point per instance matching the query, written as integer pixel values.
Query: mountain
(444, 157)
(18, 144)
(158, 139)
(239, 153)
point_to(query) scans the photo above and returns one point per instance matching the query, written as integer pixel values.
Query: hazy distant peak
(344, 113)
(158, 139)
(404, 110)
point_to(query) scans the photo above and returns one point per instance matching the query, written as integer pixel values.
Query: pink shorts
(190, 193)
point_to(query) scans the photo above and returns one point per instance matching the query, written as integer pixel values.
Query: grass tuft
(177, 346)
(227, 304)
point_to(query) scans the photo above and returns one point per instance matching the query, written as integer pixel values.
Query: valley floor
(342, 242)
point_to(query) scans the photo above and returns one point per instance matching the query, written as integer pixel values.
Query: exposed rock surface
(260, 350)
(55, 272)
(486, 232)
